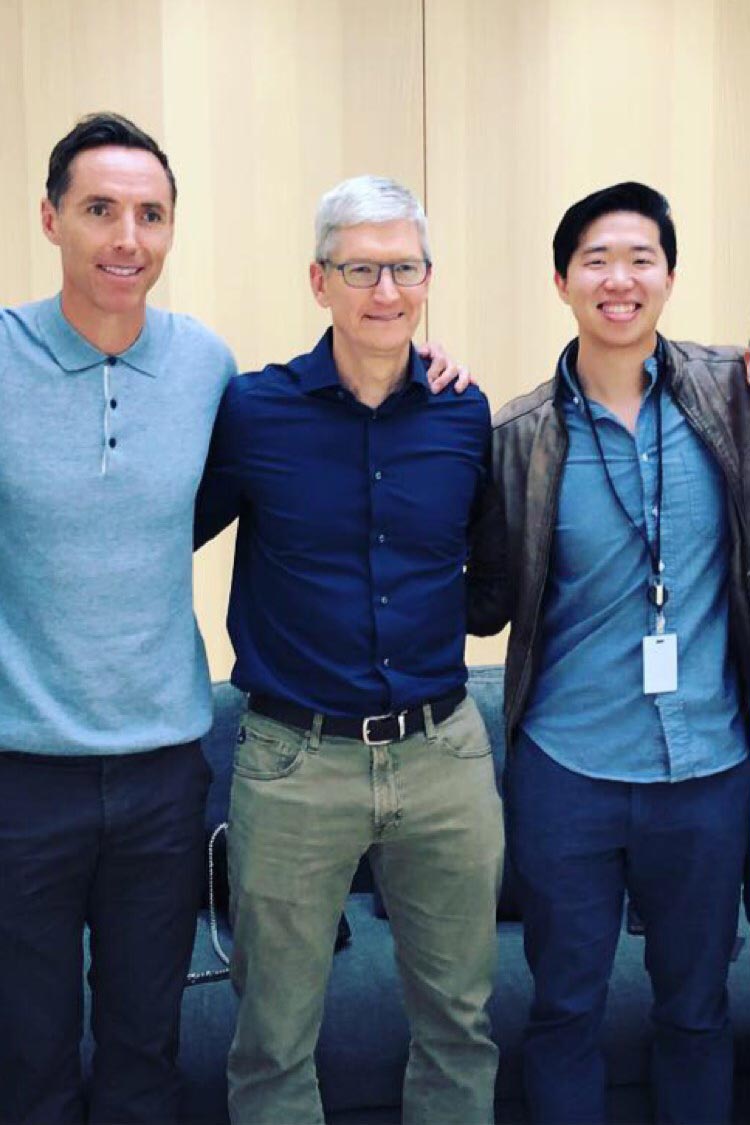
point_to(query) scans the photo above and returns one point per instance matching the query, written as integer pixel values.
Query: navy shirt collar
(74, 353)
(316, 371)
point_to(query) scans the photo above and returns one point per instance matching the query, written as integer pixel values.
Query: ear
(670, 282)
(49, 216)
(319, 284)
(561, 284)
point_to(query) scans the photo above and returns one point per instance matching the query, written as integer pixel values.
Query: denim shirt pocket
(705, 488)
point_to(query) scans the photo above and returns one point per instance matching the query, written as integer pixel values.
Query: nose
(125, 234)
(619, 276)
(386, 287)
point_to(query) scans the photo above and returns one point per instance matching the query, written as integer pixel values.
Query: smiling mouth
(619, 309)
(384, 318)
(121, 271)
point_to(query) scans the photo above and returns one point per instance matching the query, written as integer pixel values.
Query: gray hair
(365, 199)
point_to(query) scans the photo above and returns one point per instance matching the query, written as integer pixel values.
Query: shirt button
(654, 511)
(377, 474)
(644, 457)
(339, 394)
(374, 415)
(576, 400)
(112, 442)
(381, 539)
(384, 599)
(113, 404)
(386, 661)
(112, 360)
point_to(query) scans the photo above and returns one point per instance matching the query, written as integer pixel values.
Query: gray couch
(364, 1039)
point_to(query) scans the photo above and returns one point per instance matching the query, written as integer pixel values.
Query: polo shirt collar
(317, 371)
(74, 353)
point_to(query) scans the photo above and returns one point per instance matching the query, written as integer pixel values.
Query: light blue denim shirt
(587, 709)
(99, 466)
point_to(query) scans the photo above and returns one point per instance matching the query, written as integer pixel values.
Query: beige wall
(500, 112)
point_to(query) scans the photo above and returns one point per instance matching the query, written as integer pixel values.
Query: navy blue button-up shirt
(588, 710)
(348, 587)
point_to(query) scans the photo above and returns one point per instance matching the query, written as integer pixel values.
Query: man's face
(114, 228)
(618, 281)
(379, 321)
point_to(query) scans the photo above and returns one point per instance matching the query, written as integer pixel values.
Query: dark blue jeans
(115, 843)
(578, 844)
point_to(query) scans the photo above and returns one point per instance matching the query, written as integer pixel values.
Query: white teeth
(121, 271)
(619, 308)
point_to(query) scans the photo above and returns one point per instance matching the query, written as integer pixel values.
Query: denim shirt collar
(571, 390)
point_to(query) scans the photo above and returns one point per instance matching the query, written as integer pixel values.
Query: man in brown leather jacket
(615, 543)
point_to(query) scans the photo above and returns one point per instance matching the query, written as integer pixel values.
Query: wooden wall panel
(546, 100)
(15, 250)
(501, 112)
(80, 56)
(728, 230)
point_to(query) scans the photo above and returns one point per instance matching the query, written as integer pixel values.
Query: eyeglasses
(366, 275)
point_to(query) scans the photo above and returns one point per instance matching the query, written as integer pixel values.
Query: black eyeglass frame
(342, 267)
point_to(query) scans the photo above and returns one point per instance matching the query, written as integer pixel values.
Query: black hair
(95, 131)
(631, 196)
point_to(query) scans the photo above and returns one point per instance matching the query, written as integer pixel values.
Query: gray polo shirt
(100, 460)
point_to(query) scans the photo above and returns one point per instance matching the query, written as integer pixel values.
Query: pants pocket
(267, 750)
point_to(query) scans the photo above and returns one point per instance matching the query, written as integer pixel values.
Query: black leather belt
(374, 730)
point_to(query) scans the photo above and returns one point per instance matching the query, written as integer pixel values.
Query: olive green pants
(303, 810)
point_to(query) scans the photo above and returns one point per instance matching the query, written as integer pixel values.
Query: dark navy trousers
(678, 849)
(115, 843)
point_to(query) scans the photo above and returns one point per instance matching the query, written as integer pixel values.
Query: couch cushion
(364, 1039)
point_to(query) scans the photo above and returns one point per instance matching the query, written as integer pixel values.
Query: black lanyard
(658, 594)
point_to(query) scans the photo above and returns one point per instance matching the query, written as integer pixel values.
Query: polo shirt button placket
(110, 404)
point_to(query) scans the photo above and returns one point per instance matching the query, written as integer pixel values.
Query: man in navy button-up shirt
(354, 488)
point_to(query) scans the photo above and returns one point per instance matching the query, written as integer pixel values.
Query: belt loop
(429, 726)
(316, 731)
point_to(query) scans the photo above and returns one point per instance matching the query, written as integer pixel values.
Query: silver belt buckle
(401, 719)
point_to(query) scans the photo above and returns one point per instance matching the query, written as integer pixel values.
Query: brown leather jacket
(513, 536)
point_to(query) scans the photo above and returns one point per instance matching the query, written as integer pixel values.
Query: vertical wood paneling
(546, 100)
(15, 250)
(80, 56)
(263, 104)
(728, 231)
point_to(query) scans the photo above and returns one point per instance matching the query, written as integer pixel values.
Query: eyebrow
(603, 248)
(155, 206)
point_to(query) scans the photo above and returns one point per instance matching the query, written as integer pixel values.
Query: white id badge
(659, 663)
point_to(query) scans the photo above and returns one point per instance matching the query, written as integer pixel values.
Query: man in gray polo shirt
(106, 409)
